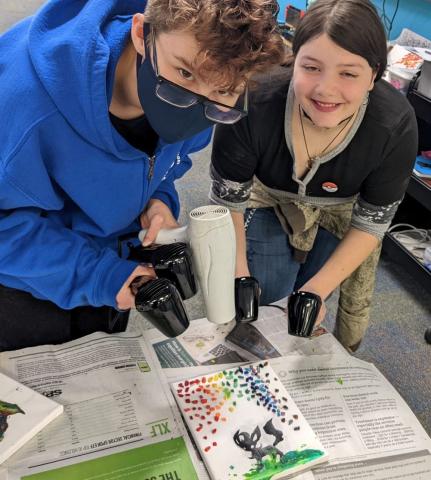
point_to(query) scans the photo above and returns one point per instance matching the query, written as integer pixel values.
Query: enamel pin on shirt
(329, 187)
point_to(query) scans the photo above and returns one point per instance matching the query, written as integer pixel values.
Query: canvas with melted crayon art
(246, 425)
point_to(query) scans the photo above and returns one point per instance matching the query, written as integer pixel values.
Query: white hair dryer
(211, 235)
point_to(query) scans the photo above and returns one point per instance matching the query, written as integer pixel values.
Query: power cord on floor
(275, 306)
(415, 240)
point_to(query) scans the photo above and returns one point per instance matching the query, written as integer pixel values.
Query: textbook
(246, 425)
(23, 413)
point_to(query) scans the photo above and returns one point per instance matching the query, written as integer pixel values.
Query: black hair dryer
(160, 301)
(172, 261)
(302, 312)
(247, 293)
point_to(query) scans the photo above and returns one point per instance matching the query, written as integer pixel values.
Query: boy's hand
(125, 298)
(156, 216)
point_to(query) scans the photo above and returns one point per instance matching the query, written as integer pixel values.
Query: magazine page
(117, 413)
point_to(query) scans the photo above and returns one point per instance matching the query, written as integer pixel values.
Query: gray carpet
(401, 308)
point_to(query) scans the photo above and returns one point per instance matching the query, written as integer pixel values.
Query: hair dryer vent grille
(209, 212)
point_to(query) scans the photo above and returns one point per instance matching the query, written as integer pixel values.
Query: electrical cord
(275, 306)
(388, 22)
(393, 18)
(415, 240)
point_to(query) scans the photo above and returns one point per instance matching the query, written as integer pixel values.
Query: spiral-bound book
(23, 413)
(246, 425)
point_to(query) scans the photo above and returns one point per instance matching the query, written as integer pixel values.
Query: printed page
(112, 396)
(205, 343)
(167, 460)
(361, 420)
(272, 323)
(354, 410)
(411, 466)
(202, 344)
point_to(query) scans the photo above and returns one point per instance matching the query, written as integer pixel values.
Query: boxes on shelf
(403, 66)
(424, 83)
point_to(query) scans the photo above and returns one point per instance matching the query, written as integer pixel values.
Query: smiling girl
(322, 163)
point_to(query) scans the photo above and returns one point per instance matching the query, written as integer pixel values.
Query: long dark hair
(352, 24)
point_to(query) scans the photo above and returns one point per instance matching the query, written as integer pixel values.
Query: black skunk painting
(249, 443)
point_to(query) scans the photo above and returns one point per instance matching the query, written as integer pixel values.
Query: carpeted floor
(401, 308)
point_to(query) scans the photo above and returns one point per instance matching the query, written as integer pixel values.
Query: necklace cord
(311, 159)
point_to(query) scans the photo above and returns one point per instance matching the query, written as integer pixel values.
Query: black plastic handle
(247, 295)
(302, 312)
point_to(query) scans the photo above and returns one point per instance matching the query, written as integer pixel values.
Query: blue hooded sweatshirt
(70, 184)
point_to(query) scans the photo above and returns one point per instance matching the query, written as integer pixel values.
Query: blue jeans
(270, 256)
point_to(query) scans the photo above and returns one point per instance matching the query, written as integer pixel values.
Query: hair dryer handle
(167, 235)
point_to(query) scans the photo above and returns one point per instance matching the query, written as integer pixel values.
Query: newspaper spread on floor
(121, 421)
(361, 420)
(206, 343)
(368, 429)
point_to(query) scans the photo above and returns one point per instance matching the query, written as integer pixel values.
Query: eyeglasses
(181, 97)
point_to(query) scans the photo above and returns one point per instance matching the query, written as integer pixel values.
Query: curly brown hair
(237, 38)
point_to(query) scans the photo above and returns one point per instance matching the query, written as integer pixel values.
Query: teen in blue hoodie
(95, 129)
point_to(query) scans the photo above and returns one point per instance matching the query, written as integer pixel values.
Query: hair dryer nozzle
(161, 303)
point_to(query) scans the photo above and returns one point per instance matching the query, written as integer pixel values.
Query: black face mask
(172, 124)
